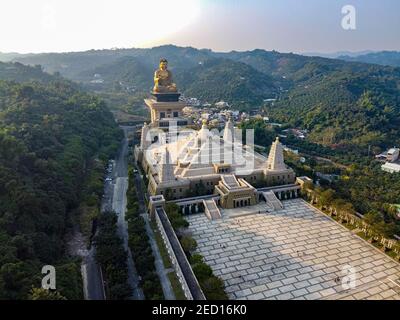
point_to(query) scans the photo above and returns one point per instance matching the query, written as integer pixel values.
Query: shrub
(188, 243)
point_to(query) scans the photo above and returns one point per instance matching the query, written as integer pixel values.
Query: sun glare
(49, 25)
(154, 20)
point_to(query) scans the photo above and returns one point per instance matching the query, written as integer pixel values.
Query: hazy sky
(223, 25)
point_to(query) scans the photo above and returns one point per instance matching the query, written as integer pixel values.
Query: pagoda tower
(275, 160)
(166, 172)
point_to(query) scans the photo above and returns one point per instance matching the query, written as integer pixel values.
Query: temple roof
(195, 153)
(166, 168)
(275, 159)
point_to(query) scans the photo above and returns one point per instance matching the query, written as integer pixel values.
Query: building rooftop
(230, 181)
(391, 167)
(194, 154)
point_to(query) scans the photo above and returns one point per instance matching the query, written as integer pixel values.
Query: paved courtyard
(294, 253)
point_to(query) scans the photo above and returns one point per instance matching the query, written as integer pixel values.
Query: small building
(235, 192)
(222, 105)
(396, 211)
(275, 124)
(382, 156)
(391, 167)
(154, 203)
(287, 149)
(205, 116)
(328, 177)
(392, 154)
(303, 180)
(397, 207)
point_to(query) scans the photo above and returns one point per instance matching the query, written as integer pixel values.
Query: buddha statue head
(163, 64)
(163, 78)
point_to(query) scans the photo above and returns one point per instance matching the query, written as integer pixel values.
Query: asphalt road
(92, 278)
(93, 286)
(114, 198)
(120, 183)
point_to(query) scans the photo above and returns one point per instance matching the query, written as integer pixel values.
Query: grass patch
(362, 235)
(377, 245)
(391, 254)
(161, 247)
(349, 226)
(176, 286)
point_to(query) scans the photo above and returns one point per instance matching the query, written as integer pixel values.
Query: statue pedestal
(166, 97)
(166, 110)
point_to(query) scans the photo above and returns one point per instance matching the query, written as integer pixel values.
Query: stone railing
(186, 277)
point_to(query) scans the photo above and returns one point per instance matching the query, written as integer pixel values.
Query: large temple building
(244, 213)
(181, 162)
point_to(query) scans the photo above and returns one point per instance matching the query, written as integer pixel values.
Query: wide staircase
(272, 201)
(211, 209)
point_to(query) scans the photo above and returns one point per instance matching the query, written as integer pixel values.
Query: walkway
(119, 206)
(294, 253)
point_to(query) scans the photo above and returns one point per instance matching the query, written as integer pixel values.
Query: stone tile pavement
(294, 253)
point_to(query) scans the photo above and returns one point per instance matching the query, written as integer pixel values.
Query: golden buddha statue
(163, 79)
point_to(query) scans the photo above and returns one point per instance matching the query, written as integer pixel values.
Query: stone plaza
(293, 253)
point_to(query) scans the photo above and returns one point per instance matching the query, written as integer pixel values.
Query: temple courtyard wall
(294, 253)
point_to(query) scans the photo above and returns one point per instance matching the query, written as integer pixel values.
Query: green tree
(44, 294)
(326, 198)
(188, 243)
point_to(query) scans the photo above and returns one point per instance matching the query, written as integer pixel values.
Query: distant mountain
(81, 66)
(223, 79)
(19, 72)
(335, 55)
(127, 70)
(386, 58)
(73, 64)
(197, 72)
(340, 102)
(9, 56)
(345, 108)
(211, 79)
(290, 69)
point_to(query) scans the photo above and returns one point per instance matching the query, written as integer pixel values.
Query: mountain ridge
(312, 92)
